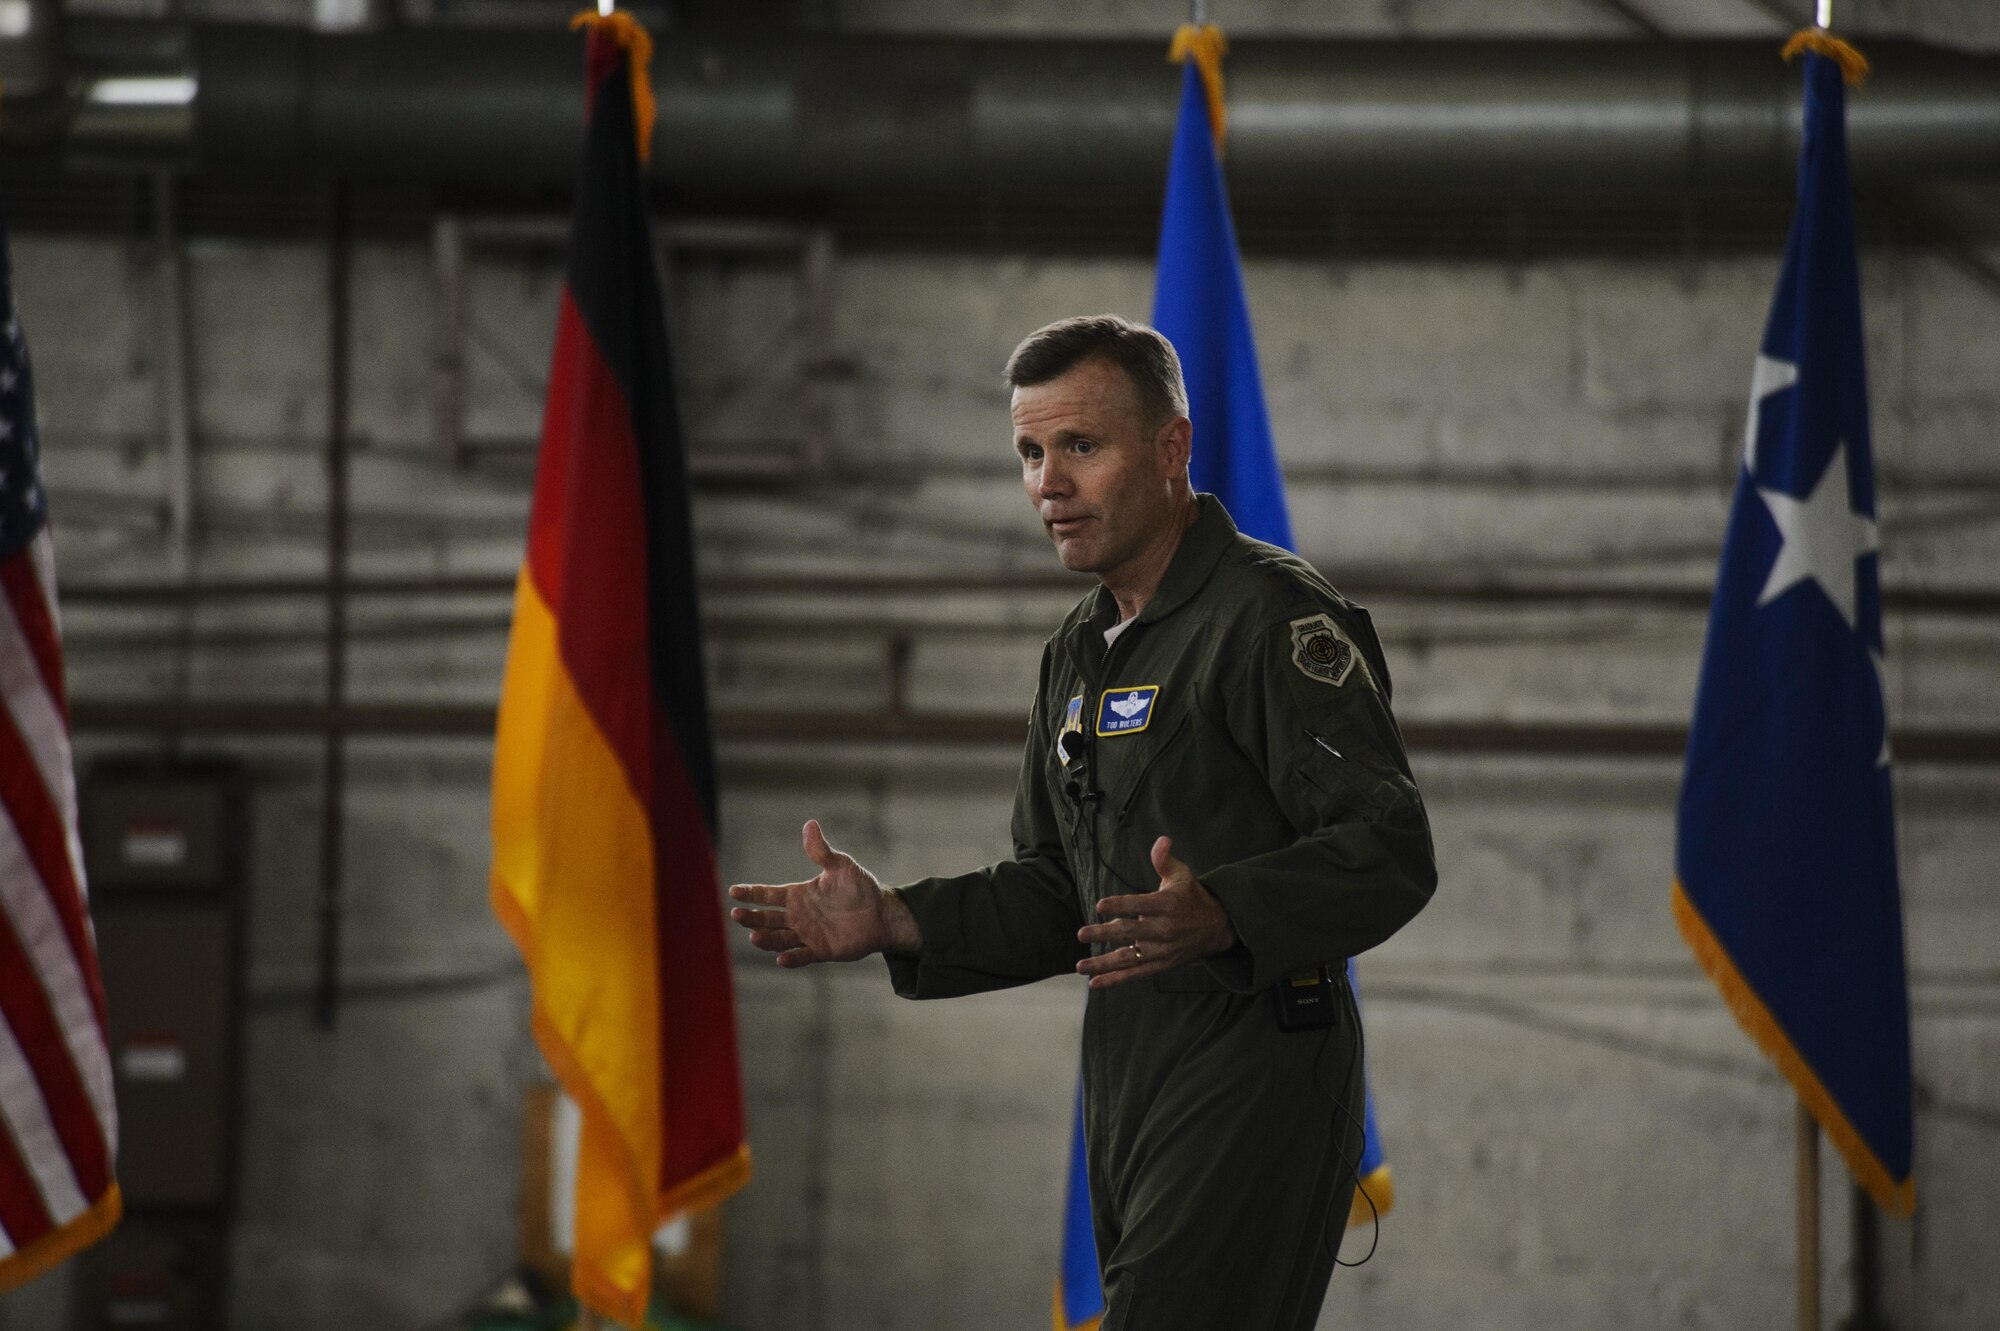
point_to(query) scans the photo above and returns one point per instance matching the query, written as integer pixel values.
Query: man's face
(1102, 483)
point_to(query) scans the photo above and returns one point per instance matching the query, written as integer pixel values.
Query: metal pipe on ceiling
(1393, 584)
(826, 116)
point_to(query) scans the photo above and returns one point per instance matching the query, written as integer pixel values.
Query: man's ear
(1177, 438)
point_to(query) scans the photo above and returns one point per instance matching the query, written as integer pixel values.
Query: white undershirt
(1111, 634)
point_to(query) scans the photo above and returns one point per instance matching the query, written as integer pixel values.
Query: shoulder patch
(1321, 651)
(1072, 725)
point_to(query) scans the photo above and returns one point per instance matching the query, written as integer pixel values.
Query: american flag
(57, 1191)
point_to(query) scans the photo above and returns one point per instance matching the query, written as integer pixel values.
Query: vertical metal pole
(816, 345)
(1866, 1314)
(1808, 1219)
(1825, 17)
(1690, 243)
(334, 768)
(170, 338)
(815, 1069)
(448, 338)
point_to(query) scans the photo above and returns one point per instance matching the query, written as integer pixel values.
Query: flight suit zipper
(1099, 867)
(1097, 1048)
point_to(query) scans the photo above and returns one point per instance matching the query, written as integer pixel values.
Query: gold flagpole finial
(1853, 64)
(1204, 44)
(1820, 40)
(638, 43)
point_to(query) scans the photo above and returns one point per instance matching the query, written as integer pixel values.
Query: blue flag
(1079, 1304)
(1198, 303)
(1785, 857)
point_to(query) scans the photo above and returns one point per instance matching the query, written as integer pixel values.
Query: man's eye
(1031, 455)
(1085, 446)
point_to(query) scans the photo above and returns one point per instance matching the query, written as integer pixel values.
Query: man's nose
(1052, 478)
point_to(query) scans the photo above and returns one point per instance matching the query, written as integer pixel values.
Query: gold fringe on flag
(1059, 1320)
(63, 1242)
(1380, 1188)
(1896, 1196)
(1205, 45)
(622, 28)
(1853, 64)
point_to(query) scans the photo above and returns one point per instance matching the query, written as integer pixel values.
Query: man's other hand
(1178, 922)
(842, 913)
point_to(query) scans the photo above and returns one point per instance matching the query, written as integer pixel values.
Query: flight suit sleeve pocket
(1334, 786)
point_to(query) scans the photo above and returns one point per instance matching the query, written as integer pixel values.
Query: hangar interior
(1507, 261)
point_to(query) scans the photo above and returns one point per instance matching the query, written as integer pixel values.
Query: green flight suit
(1245, 713)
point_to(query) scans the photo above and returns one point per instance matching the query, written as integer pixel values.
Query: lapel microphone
(1081, 787)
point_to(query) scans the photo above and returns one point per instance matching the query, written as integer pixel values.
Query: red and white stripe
(56, 1104)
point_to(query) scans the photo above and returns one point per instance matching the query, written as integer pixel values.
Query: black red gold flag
(604, 793)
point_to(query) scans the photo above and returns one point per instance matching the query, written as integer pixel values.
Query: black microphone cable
(1361, 1128)
(1080, 769)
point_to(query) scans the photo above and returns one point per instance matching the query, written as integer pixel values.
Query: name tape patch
(1126, 711)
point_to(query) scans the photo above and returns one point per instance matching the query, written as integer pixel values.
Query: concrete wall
(1580, 1135)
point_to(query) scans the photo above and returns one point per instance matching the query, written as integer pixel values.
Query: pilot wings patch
(1126, 711)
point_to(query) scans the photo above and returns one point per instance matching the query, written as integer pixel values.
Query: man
(1214, 812)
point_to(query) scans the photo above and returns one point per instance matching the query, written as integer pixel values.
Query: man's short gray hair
(1143, 353)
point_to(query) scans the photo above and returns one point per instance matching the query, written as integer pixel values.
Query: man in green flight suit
(1214, 812)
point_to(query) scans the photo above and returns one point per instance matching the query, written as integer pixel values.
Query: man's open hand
(839, 914)
(1159, 930)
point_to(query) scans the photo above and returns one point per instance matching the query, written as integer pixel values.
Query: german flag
(604, 790)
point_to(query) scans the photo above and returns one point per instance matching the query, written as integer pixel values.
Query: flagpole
(1805, 1129)
(1808, 1219)
(1825, 19)
(587, 1317)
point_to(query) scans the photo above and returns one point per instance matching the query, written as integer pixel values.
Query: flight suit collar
(1201, 549)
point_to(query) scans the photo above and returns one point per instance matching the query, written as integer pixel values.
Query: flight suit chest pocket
(1130, 762)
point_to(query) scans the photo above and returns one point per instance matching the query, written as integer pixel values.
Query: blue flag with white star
(1785, 857)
